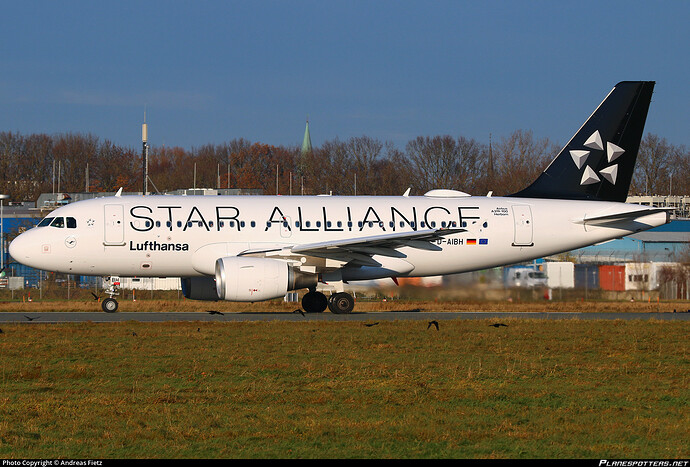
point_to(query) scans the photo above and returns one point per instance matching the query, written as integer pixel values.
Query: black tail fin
(598, 162)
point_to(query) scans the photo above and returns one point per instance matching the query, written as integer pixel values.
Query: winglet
(119, 193)
(407, 192)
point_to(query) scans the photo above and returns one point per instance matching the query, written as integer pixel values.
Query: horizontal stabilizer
(621, 217)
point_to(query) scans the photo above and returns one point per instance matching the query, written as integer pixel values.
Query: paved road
(100, 317)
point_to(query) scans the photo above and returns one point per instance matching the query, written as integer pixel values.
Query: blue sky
(208, 72)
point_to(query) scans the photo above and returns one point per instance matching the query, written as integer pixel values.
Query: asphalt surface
(160, 317)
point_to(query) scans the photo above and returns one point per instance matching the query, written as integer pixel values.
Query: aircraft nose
(20, 248)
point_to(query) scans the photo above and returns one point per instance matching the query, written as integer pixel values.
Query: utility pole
(145, 157)
(3, 197)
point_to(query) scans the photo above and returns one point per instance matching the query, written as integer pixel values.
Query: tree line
(39, 163)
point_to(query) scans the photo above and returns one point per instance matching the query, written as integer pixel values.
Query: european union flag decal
(483, 241)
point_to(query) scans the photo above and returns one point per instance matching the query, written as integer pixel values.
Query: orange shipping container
(612, 277)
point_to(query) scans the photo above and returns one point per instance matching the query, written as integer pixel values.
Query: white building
(143, 283)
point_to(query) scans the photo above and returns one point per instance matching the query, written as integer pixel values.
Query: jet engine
(199, 288)
(250, 279)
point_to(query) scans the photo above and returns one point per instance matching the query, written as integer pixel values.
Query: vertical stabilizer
(598, 162)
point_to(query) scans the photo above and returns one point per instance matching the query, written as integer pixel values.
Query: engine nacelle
(249, 279)
(199, 288)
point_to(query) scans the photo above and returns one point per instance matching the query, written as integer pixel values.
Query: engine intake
(249, 279)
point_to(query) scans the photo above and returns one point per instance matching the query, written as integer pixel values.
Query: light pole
(2, 231)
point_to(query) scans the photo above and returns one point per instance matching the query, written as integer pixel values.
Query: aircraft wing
(360, 250)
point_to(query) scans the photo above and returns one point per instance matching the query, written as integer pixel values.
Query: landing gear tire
(314, 302)
(341, 303)
(109, 305)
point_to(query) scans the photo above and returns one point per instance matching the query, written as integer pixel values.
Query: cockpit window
(58, 222)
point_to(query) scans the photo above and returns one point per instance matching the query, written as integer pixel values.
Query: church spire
(306, 143)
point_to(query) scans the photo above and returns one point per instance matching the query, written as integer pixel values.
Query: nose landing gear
(109, 305)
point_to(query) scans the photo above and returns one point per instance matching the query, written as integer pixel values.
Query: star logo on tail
(589, 175)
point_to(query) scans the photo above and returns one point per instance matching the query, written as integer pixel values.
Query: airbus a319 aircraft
(254, 248)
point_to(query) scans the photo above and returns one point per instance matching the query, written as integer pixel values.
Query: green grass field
(533, 389)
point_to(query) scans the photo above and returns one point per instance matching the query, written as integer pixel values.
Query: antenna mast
(145, 156)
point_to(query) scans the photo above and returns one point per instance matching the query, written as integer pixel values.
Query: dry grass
(173, 304)
(553, 389)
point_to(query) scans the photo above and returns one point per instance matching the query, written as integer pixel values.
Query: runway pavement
(159, 317)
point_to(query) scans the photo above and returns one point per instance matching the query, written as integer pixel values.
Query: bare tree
(444, 162)
(654, 166)
(519, 159)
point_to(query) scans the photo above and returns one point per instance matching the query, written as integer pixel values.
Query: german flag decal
(471, 241)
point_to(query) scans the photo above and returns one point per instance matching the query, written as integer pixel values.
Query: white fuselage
(185, 235)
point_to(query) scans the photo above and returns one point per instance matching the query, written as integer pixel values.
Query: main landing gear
(339, 303)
